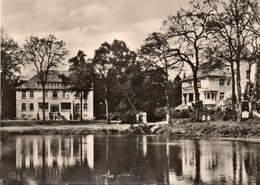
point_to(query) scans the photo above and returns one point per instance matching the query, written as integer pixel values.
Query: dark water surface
(127, 160)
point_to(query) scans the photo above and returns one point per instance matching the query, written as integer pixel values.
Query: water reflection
(128, 160)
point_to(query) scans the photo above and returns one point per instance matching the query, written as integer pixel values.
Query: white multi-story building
(58, 100)
(215, 88)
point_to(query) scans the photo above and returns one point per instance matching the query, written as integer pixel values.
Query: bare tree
(188, 35)
(235, 24)
(45, 54)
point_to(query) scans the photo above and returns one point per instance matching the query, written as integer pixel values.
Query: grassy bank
(178, 128)
(210, 129)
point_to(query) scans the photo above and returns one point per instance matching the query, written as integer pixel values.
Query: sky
(85, 24)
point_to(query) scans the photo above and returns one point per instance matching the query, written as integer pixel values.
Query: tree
(186, 32)
(235, 24)
(45, 54)
(221, 56)
(156, 53)
(81, 77)
(111, 62)
(11, 61)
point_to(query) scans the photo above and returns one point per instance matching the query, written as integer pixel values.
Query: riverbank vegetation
(180, 127)
(203, 37)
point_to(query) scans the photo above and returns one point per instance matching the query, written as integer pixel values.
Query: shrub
(128, 117)
(181, 113)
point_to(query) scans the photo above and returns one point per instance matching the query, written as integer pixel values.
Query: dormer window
(23, 94)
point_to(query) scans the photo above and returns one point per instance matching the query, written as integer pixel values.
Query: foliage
(45, 54)
(11, 62)
(112, 63)
(156, 53)
(181, 114)
(81, 76)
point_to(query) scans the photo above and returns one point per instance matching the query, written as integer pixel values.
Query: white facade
(216, 88)
(58, 100)
(214, 91)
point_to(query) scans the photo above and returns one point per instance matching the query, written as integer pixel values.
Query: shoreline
(180, 128)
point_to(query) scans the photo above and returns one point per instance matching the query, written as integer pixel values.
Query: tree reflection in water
(128, 160)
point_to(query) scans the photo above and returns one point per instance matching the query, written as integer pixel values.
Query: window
(66, 106)
(247, 74)
(185, 98)
(221, 82)
(207, 96)
(213, 96)
(199, 83)
(23, 94)
(41, 106)
(190, 83)
(31, 94)
(46, 94)
(63, 94)
(23, 106)
(228, 82)
(191, 97)
(85, 106)
(221, 95)
(77, 107)
(77, 95)
(210, 96)
(55, 94)
(31, 106)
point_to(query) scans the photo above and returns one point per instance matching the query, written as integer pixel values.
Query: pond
(90, 159)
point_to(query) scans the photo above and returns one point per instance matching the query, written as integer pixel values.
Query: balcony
(209, 102)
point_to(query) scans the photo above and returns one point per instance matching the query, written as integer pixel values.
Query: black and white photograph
(130, 92)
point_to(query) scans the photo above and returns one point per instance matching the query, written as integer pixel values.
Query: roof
(213, 74)
(53, 77)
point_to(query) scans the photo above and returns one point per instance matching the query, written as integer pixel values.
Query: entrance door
(54, 108)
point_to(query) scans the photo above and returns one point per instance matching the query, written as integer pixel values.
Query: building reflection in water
(144, 146)
(118, 158)
(59, 151)
(219, 161)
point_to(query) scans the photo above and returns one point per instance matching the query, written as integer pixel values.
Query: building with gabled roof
(59, 100)
(214, 88)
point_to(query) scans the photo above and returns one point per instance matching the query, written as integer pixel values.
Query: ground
(250, 129)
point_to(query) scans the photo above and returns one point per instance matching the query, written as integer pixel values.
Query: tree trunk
(253, 94)
(234, 98)
(197, 95)
(132, 105)
(250, 95)
(168, 110)
(250, 106)
(239, 93)
(2, 99)
(106, 103)
(81, 100)
(43, 102)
